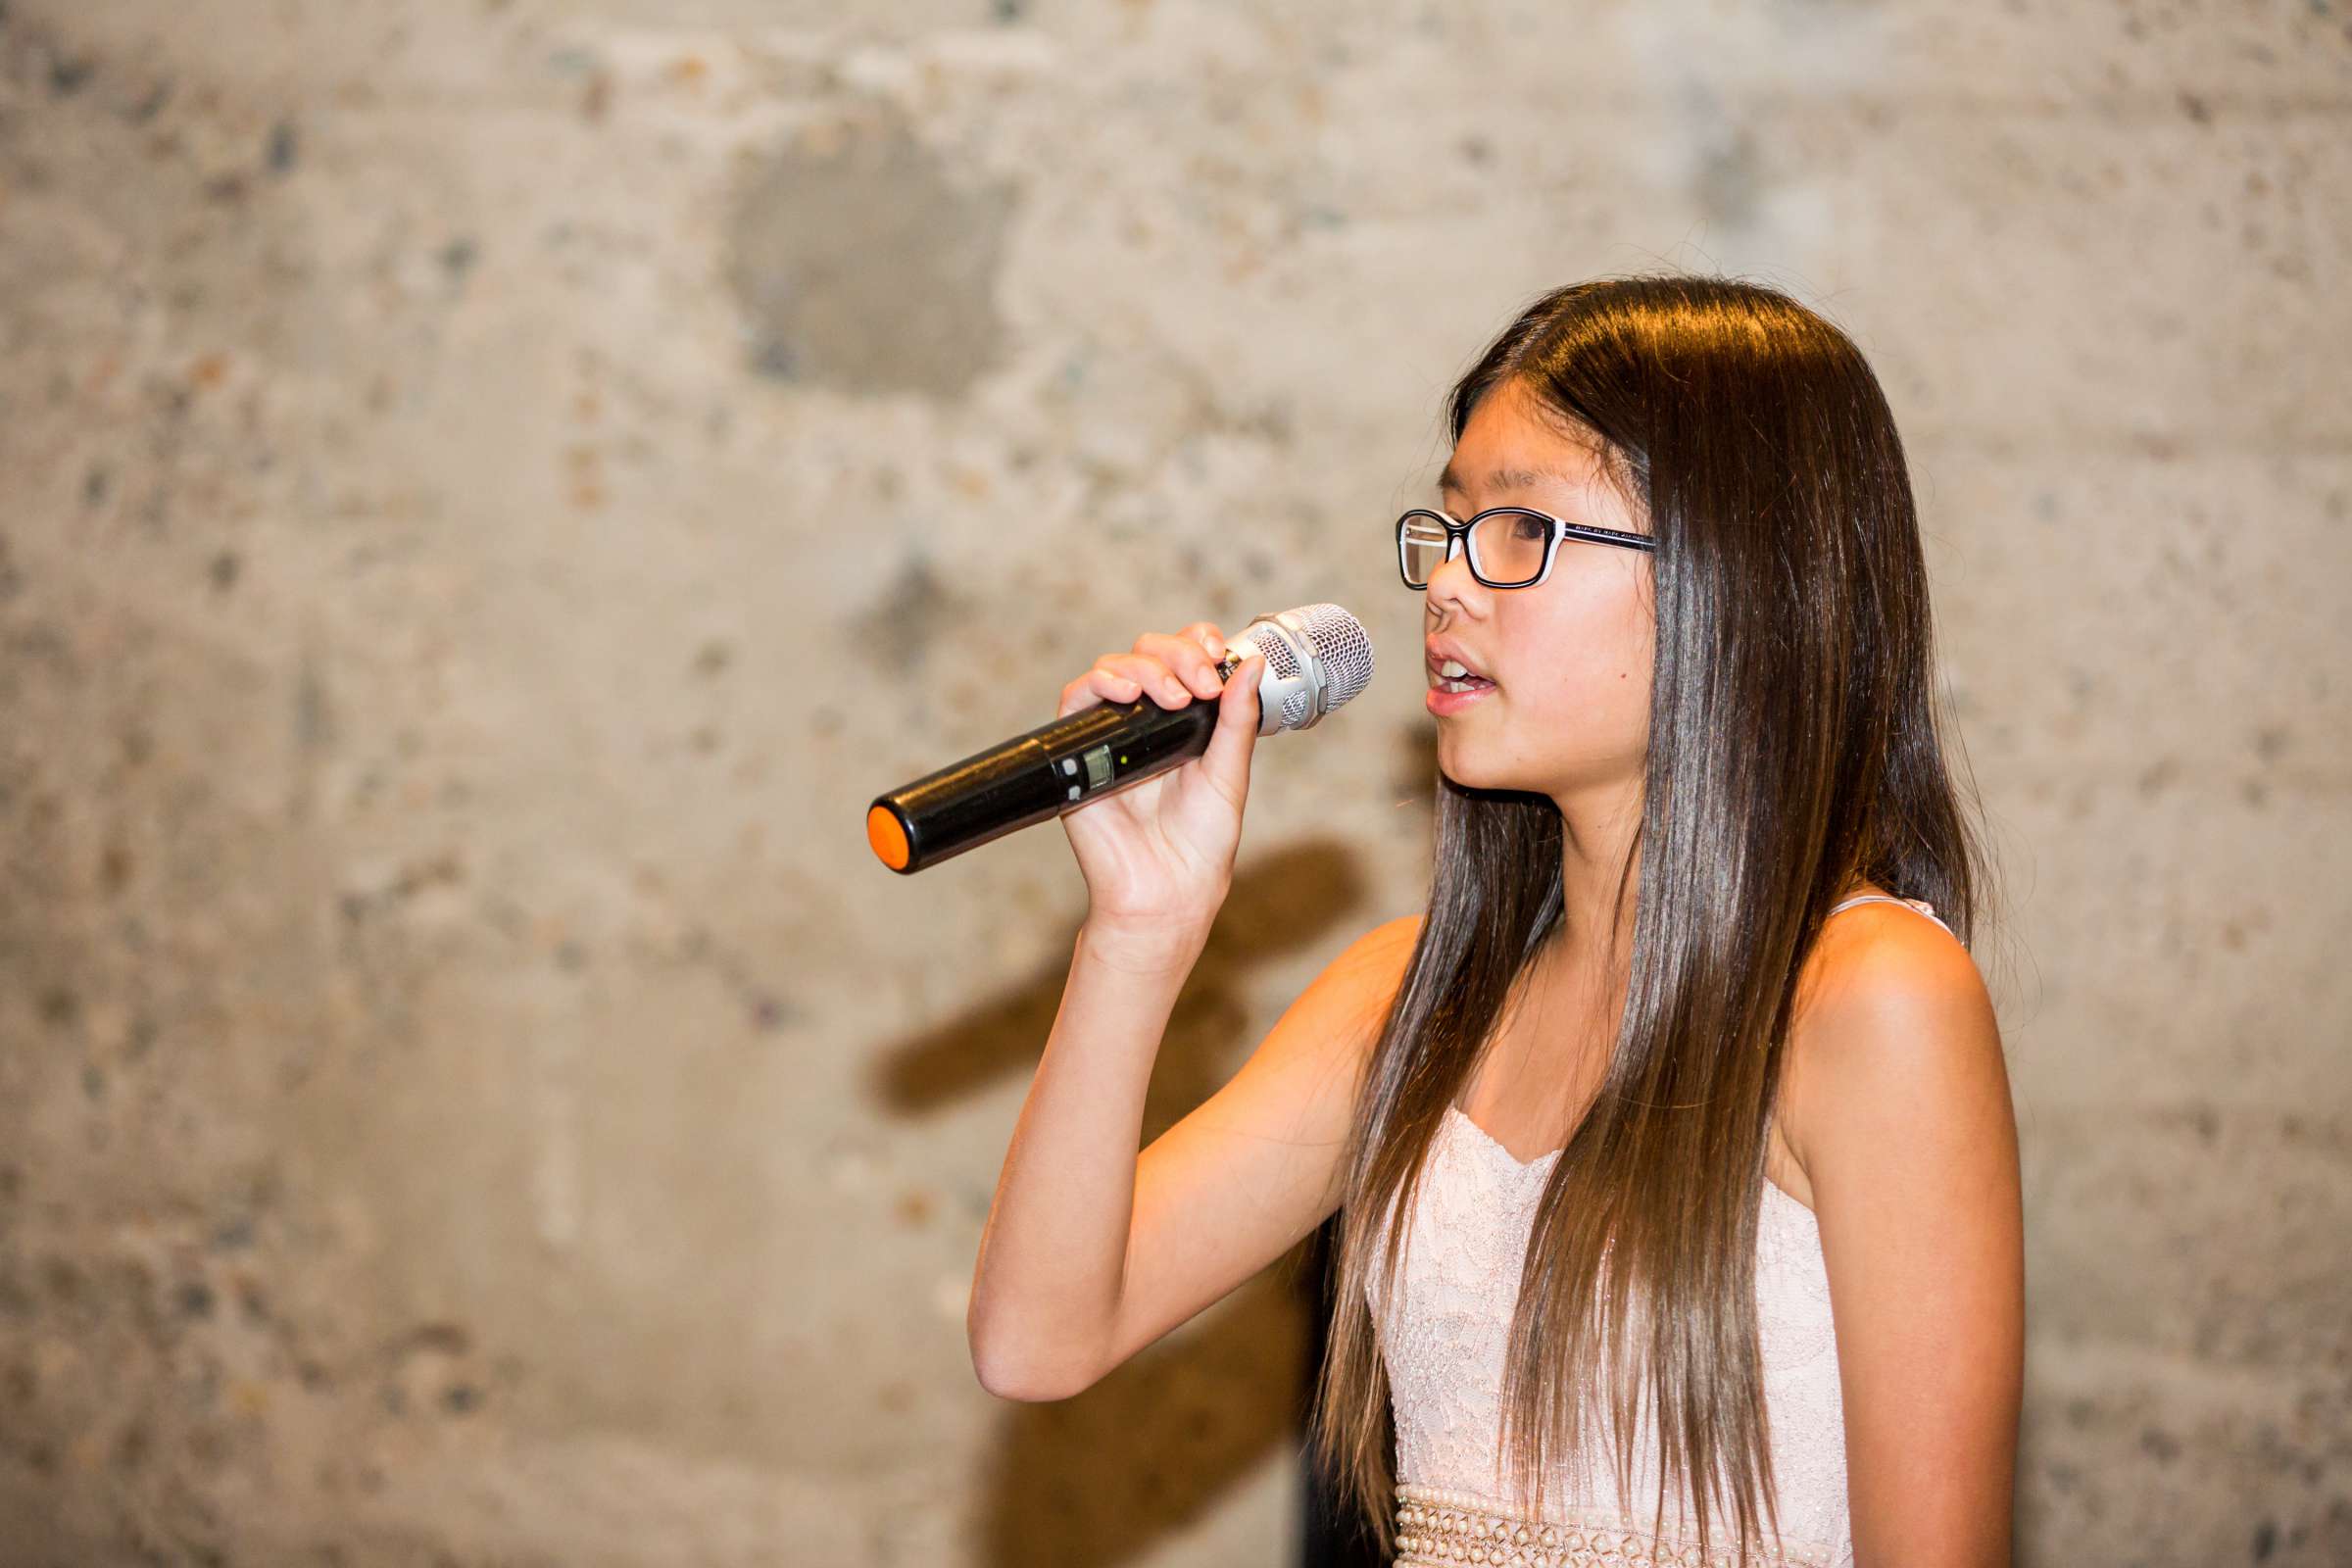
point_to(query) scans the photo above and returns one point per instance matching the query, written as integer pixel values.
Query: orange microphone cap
(888, 837)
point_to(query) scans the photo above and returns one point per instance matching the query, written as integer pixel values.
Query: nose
(1443, 581)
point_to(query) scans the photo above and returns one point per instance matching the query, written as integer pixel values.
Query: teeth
(1454, 667)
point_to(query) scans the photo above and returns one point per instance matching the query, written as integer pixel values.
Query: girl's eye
(1531, 529)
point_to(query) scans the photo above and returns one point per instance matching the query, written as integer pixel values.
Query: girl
(1672, 1147)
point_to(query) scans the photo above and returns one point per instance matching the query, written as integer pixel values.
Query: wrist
(1158, 947)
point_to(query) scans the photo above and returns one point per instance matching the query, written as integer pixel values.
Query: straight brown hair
(1793, 751)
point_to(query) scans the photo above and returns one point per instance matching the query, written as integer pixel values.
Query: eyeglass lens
(1504, 548)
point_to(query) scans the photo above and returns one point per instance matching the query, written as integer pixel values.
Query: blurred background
(494, 487)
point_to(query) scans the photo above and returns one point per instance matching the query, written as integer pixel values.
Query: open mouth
(1452, 675)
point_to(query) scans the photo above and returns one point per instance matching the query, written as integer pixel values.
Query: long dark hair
(1793, 753)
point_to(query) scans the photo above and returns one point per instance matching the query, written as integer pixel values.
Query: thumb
(1231, 742)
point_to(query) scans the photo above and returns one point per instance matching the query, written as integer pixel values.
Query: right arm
(1090, 1253)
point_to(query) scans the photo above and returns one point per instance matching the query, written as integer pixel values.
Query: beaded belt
(1437, 1528)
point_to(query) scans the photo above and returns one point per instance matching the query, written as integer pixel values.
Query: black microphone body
(1316, 657)
(1047, 771)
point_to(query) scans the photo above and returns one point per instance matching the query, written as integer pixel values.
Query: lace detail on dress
(1444, 1349)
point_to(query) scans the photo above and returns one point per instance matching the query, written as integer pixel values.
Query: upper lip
(1440, 650)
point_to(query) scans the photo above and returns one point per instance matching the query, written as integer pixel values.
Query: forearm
(1046, 1286)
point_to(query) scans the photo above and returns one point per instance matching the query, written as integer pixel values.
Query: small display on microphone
(1316, 657)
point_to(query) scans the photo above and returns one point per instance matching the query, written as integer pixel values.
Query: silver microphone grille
(1340, 642)
(1319, 653)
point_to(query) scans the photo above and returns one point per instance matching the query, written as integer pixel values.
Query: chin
(1467, 774)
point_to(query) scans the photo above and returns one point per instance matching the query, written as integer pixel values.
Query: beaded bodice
(1444, 1349)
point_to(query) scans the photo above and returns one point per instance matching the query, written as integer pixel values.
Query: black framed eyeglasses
(1509, 547)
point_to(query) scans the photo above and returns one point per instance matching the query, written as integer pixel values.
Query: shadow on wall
(1106, 1476)
(1281, 903)
(1148, 1452)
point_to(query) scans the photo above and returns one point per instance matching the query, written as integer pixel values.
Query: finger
(1231, 743)
(1183, 653)
(1211, 640)
(1151, 675)
(1098, 685)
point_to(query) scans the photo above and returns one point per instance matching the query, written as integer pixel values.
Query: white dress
(1444, 1349)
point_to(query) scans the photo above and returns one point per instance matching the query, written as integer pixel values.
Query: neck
(1599, 830)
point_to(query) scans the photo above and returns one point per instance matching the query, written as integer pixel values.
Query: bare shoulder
(1351, 995)
(1888, 1003)
(1325, 1035)
(1381, 952)
(1880, 955)
(1365, 974)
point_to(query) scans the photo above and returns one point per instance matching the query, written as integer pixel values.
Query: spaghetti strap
(1921, 904)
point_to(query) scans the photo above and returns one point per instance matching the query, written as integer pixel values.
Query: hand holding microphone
(1161, 853)
(1132, 716)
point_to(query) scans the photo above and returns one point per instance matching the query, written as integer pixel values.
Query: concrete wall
(494, 488)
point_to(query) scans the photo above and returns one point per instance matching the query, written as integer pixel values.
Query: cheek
(1637, 651)
(1633, 639)
(1605, 649)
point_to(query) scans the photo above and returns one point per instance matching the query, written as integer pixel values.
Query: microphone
(1316, 657)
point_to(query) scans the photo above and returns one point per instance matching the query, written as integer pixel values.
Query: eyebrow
(1451, 483)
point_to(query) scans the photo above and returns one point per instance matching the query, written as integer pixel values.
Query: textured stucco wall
(493, 489)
